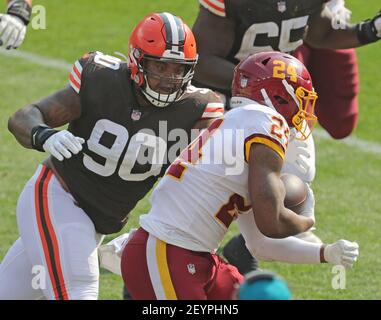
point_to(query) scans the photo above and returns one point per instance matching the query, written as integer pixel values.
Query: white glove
(342, 252)
(300, 158)
(339, 13)
(110, 254)
(12, 31)
(63, 144)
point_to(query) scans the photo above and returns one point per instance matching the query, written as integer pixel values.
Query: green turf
(348, 181)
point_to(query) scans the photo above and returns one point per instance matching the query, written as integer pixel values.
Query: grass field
(348, 182)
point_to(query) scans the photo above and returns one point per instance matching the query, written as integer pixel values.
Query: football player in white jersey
(229, 30)
(231, 171)
(14, 22)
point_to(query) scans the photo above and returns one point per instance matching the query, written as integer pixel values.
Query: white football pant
(56, 254)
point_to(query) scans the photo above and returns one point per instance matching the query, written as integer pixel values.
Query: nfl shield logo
(135, 115)
(191, 268)
(243, 82)
(281, 6)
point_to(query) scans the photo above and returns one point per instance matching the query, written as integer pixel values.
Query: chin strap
(267, 99)
(288, 88)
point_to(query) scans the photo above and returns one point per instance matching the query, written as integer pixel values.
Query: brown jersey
(128, 147)
(264, 25)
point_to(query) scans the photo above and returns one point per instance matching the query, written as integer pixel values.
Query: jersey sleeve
(213, 110)
(268, 129)
(76, 73)
(213, 107)
(216, 7)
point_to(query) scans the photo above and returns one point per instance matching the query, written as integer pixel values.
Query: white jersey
(207, 186)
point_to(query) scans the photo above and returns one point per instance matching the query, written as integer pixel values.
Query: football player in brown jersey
(228, 31)
(125, 122)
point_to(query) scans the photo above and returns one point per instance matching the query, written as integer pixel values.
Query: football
(296, 191)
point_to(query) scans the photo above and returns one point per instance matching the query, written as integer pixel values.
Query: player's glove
(342, 252)
(369, 30)
(60, 144)
(339, 13)
(298, 154)
(13, 24)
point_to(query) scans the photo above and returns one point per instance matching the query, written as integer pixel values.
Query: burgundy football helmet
(279, 81)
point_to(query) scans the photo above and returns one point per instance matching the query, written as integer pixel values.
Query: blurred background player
(14, 22)
(336, 78)
(228, 31)
(230, 172)
(98, 169)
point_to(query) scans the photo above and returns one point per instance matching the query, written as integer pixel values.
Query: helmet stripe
(168, 31)
(180, 30)
(174, 32)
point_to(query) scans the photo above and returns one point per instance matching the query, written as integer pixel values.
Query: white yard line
(37, 59)
(363, 145)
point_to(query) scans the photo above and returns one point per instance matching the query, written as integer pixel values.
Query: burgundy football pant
(335, 78)
(153, 269)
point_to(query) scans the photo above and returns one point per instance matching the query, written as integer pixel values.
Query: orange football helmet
(166, 38)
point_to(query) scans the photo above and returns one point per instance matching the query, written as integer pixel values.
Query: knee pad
(80, 261)
(79, 248)
(83, 290)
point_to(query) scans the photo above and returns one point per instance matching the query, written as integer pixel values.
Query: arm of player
(33, 125)
(215, 37)
(294, 250)
(267, 195)
(324, 32)
(203, 124)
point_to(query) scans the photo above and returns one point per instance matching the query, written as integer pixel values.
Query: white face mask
(159, 99)
(164, 99)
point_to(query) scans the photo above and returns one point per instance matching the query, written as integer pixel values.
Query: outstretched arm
(322, 33)
(294, 250)
(33, 125)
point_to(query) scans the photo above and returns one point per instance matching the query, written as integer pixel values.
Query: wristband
(366, 32)
(39, 135)
(20, 9)
(322, 259)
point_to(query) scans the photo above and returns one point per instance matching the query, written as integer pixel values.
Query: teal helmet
(264, 285)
